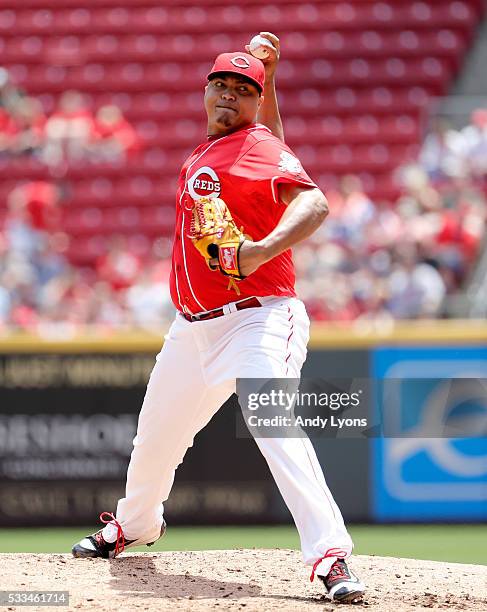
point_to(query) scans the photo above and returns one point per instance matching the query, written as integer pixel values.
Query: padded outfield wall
(68, 415)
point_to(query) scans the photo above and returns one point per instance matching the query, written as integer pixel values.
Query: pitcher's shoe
(342, 584)
(95, 545)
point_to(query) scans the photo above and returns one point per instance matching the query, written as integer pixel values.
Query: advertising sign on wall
(67, 422)
(431, 462)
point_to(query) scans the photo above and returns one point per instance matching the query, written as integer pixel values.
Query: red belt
(251, 302)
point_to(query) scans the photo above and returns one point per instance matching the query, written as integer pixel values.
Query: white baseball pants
(194, 374)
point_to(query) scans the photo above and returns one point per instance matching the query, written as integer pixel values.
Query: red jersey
(42, 203)
(243, 168)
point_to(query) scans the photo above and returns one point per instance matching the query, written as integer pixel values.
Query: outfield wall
(68, 413)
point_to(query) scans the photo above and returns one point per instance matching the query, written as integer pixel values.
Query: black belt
(251, 302)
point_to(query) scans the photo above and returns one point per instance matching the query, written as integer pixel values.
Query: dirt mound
(240, 580)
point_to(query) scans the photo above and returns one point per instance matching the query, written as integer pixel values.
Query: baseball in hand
(259, 47)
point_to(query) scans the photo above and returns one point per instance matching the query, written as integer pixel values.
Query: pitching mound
(240, 580)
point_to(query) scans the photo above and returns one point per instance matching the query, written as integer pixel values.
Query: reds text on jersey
(244, 169)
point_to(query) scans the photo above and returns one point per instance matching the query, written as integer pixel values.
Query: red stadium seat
(354, 78)
(157, 220)
(85, 250)
(121, 220)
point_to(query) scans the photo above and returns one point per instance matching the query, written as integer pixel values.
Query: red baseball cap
(240, 63)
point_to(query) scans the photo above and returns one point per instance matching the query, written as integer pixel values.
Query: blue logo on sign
(425, 474)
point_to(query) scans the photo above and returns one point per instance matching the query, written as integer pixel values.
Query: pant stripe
(288, 340)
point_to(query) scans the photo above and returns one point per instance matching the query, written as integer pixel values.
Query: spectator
(41, 203)
(416, 290)
(69, 131)
(149, 302)
(119, 267)
(114, 136)
(11, 99)
(7, 132)
(10, 95)
(27, 127)
(450, 153)
(435, 156)
(33, 213)
(477, 147)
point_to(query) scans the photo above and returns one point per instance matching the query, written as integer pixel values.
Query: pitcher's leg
(300, 479)
(280, 354)
(176, 406)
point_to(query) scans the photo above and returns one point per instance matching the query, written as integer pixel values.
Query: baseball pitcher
(244, 200)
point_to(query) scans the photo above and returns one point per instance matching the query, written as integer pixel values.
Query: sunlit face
(231, 102)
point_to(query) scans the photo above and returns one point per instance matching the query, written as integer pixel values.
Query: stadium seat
(354, 78)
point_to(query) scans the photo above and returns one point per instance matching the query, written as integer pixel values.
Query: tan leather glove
(215, 235)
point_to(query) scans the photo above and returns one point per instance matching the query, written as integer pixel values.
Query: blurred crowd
(370, 261)
(42, 292)
(377, 261)
(72, 132)
(450, 153)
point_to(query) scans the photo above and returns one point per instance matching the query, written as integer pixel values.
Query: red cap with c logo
(240, 63)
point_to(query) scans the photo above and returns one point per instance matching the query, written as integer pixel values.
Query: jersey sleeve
(269, 162)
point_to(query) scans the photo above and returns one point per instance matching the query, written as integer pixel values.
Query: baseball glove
(215, 235)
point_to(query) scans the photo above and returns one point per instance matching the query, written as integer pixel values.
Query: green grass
(458, 543)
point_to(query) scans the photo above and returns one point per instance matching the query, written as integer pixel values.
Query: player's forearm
(269, 111)
(302, 217)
